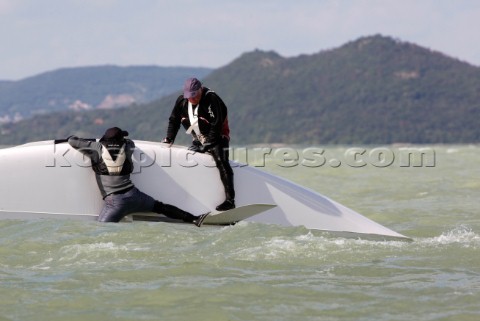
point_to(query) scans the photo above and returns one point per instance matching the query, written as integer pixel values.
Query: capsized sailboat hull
(44, 179)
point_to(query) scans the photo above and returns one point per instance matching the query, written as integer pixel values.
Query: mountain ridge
(89, 87)
(372, 90)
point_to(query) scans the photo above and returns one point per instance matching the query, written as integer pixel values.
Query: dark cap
(191, 87)
(114, 133)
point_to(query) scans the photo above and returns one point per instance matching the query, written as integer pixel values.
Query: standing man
(204, 115)
(111, 159)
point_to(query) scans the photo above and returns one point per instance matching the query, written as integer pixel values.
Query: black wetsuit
(214, 136)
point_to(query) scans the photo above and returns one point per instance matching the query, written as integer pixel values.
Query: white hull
(44, 180)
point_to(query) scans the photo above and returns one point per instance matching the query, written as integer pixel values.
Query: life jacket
(113, 160)
(194, 119)
(114, 166)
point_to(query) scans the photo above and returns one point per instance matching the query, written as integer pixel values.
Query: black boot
(227, 205)
(199, 220)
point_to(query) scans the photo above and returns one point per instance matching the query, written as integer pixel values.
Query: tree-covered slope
(369, 91)
(87, 88)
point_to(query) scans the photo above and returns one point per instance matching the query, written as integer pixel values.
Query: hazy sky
(43, 35)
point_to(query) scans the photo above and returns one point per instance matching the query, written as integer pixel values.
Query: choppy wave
(247, 266)
(67, 270)
(463, 236)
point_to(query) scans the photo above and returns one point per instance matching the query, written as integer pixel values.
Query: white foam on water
(461, 235)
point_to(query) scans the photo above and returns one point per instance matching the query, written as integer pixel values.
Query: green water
(68, 270)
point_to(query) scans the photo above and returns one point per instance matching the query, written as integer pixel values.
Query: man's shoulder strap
(114, 163)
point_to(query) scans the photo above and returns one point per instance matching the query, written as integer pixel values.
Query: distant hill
(372, 90)
(375, 90)
(88, 88)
